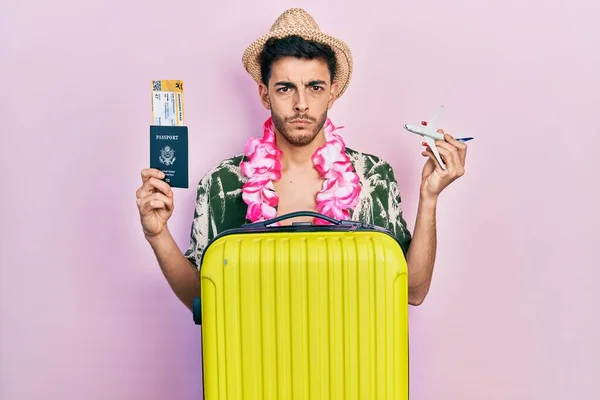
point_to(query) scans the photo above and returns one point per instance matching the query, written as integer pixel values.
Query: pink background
(85, 313)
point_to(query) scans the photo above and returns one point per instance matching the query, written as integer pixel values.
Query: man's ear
(263, 92)
(333, 94)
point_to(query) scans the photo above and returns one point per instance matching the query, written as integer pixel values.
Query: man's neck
(295, 157)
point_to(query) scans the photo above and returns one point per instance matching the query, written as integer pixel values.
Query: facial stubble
(299, 140)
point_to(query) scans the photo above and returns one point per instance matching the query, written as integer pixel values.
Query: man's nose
(301, 103)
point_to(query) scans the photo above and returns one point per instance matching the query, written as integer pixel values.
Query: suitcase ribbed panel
(315, 315)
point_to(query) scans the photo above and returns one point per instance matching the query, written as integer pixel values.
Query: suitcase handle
(294, 215)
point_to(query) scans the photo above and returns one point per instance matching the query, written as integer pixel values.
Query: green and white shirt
(219, 203)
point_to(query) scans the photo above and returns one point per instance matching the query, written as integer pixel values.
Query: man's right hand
(154, 201)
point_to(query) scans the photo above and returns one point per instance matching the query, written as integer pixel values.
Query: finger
(167, 200)
(450, 156)
(155, 201)
(154, 185)
(148, 173)
(447, 155)
(152, 205)
(445, 151)
(440, 144)
(433, 159)
(458, 155)
(460, 146)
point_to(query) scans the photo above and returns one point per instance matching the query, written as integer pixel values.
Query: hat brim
(343, 73)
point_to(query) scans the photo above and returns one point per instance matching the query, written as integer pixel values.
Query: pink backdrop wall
(84, 310)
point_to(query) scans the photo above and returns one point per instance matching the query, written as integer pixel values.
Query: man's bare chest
(297, 192)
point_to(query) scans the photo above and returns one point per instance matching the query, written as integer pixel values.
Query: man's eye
(284, 89)
(317, 88)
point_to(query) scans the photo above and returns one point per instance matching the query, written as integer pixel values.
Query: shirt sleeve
(199, 235)
(395, 215)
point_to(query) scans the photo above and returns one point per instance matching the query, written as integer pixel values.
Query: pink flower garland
(340, 190)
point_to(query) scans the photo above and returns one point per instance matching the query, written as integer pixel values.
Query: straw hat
(297, 21)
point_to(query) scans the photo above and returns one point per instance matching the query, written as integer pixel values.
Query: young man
(300, 163)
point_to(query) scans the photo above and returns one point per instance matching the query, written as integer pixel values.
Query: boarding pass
(167, 103)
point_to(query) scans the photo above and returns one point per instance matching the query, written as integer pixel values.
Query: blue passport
(169, 153)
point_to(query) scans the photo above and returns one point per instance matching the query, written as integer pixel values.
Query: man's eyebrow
(284, 83)
(310, 83)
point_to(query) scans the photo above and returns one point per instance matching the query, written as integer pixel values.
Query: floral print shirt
(219, 203)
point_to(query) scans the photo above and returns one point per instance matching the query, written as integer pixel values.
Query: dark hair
(295, 46)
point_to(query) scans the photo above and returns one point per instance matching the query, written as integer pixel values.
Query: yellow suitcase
(304, 312)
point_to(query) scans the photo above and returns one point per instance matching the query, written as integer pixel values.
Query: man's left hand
(434, 178)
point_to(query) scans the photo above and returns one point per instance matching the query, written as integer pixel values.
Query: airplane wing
(432, 124)
(433, 147)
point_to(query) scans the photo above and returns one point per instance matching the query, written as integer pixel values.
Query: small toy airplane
(429, 132)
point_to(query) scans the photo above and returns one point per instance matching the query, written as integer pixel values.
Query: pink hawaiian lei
(340, 189)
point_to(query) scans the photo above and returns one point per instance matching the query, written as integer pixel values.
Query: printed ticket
(167, 103)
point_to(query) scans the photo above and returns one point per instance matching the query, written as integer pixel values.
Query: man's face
(299, 95)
